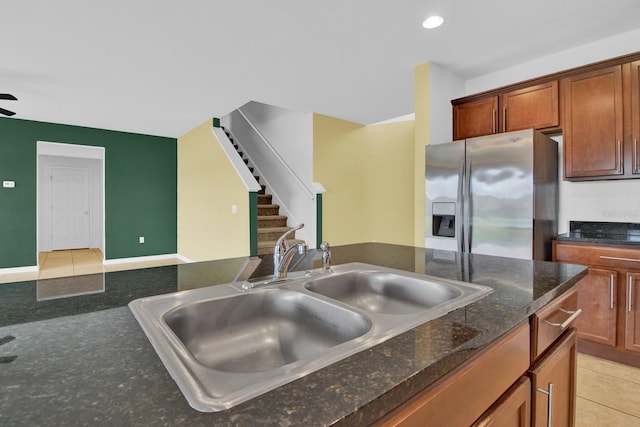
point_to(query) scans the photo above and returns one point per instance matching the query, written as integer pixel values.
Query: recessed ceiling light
(433, 22)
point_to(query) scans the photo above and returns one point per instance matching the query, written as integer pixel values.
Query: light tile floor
(78, 262)
(608, 393)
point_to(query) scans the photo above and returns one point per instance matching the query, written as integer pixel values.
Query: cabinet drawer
(550, 322)
(596, 255)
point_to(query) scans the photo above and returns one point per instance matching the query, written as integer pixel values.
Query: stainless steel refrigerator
(494, 195)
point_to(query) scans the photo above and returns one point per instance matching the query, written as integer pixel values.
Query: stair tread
(266, 230)
(272, 216)
(268, 206)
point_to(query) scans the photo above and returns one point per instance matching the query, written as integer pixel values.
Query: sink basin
(382, 292)
(257, 332)
(224, 345)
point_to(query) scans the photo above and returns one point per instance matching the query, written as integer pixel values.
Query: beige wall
(368, 174)
(421, 140)
(208, 186)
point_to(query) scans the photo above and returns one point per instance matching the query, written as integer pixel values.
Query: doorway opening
(70, 197)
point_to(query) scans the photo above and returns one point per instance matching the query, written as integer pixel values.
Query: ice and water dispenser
(444, 219)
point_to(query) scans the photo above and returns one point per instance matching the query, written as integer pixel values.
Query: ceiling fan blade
(8, 96)
(6, 112)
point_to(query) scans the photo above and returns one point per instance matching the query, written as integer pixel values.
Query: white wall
(600, 50)
(613, 201)
(284, 161)
(443, 87)
(289, 132)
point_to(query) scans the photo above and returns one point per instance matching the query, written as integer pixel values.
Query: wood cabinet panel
(477, 385)
(593, 123)
(475, 118)
(555, 373)
(513, 409)
(597, 296)
(597, 255)
(635, 117)
(551, 321)
(533, 107)
(632, 338)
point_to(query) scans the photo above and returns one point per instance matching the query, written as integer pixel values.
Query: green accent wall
(253, 223)
(140, 189)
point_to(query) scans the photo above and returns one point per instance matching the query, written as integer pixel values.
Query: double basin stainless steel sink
(224, 345)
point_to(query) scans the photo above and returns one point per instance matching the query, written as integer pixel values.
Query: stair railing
(282, 162)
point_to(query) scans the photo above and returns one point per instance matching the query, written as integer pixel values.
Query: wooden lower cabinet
(609, 297)
(597, 296)
(632, 336)
(501, 386)
(553, 382)
(460, 398)
(513, 409)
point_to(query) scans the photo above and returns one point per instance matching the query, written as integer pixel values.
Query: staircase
(271, 225)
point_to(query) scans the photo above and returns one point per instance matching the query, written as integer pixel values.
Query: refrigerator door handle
(467, 208)
(459, 203)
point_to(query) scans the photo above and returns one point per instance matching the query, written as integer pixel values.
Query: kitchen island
(84, 360)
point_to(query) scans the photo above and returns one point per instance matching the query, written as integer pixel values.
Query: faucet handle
(326, 257)
(302, 248)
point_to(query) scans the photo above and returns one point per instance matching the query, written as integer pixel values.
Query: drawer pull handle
(567, 322)
(611, 291)
(629, 290)
(493, 120)
(549, 394)
(620, 161)
(615, 258)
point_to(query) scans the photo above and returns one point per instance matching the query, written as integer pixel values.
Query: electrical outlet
(234, 209)
(141, 239)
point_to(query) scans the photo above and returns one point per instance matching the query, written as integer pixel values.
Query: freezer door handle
(467, 208)
(459, 203)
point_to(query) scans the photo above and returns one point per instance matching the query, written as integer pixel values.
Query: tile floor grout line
(614, 377)
(609, 407)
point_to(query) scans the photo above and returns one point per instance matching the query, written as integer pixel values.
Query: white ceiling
(162, 67)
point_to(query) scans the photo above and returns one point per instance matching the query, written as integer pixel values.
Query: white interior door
(70, 208)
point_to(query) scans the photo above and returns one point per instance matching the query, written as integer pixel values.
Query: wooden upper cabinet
(593, 123)
(475, 118)
(534, 107)
(635, 117)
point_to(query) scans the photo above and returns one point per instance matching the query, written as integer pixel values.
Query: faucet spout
(283, 253)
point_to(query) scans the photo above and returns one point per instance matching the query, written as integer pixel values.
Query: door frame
(73, 151)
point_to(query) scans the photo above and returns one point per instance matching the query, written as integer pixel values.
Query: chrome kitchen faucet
(283, 253)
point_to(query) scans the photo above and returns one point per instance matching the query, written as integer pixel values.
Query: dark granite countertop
(604, 233)
(84, 360)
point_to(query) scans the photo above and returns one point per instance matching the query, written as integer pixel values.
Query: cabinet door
(632, 329)
(553, 381)
(593, 127)
(513, 409)
(533, 107)
(475, 118)
(597, 296)
(635, 117)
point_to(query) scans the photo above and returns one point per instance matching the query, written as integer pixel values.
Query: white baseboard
(184, 259)
(13, 270)
(140, 259)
